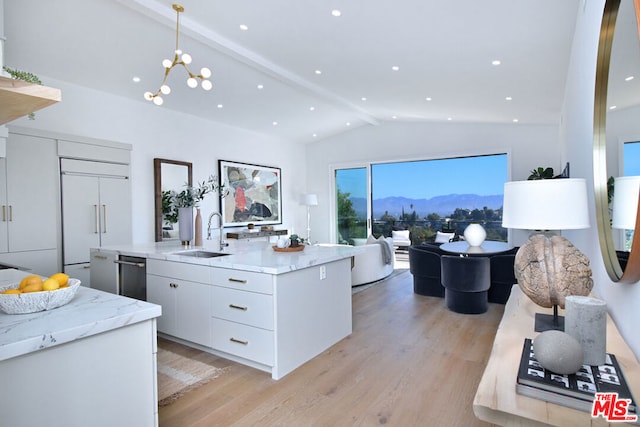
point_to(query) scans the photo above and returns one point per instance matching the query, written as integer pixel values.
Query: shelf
(18, 98)
(255, 234)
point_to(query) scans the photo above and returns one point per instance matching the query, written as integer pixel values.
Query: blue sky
(482, 175)
(632, 159)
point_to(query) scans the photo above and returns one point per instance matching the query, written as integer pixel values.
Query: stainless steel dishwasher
(133, 277)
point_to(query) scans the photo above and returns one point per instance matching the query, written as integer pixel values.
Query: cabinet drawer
(249, 308)
(243, 280)
(245, 341)
(179, 270)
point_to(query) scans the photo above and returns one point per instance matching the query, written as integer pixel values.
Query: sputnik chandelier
(183, 59)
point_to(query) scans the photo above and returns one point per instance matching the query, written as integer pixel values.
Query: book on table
(575, 390)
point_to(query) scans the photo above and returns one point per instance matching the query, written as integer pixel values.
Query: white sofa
(369, 265)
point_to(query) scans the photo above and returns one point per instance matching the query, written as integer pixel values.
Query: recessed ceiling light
(508, 98)
(394, 117)
(220, 105)
(395, 68)
(243, 27)
(314, 135)
(275, 123)
(312, 108)
(613, 107)
(348, 123)
(628, 79)
(318, 72)
(260, 87)
(449, 118)
(336, 13)
(364, 98)
(495, 62)
(428, 98)
(516, 120)
(136, 79)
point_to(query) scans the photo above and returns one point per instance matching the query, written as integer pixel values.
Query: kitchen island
(270, 310)
(89, 362)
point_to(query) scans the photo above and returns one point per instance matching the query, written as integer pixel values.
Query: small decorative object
(585, 319)
(475, 234)
(296, 240)
(198, 237)
(282, 242)
(288, 249)
(34, 302)
(558, 352)
(185, 225)
(24, 76)
(250, 226)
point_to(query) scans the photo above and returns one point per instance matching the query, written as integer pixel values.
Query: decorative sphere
(475, 234)
(558, 352)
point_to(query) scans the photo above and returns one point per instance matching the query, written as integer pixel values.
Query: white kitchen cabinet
(29, 203)
(184, 292)
(96, 207)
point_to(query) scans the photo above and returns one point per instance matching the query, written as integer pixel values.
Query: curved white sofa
(369, 265)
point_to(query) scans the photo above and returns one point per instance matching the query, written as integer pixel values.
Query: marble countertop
(90, 312)
(248, 256)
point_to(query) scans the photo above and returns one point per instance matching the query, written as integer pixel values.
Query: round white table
(488, 247)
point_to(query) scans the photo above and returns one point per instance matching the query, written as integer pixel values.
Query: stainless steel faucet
(222, 244)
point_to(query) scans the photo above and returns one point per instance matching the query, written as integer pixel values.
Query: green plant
(25, 77)
(541, 173)
(296, 240)
(189, 197)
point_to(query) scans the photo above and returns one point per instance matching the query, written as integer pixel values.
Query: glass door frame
(333, 205)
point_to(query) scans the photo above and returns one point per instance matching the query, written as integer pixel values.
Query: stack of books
(576, 390)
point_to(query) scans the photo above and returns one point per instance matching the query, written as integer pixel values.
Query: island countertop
(258, 257)
(90, 312)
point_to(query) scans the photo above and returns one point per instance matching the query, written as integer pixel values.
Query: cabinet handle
(100, 257)
(237, 307)
(104, 218)
(4, 213)
(95, 209)
(231, 279)
(10, 212)
(238, 341)
(173, 285)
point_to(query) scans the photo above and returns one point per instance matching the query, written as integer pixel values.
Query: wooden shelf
(254, 234)
(18, 98)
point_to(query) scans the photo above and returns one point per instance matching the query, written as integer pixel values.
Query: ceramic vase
(185, 225)
(197, 241)
(474, 234)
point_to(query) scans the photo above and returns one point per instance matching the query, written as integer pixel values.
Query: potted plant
(296, 240)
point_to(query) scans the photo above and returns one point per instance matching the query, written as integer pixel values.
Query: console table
(496, 400)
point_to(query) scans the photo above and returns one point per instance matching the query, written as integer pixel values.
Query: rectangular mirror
(169, 175)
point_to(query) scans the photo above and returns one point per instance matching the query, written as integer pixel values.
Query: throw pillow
(444, 237)
(371, 239)
(400, 234)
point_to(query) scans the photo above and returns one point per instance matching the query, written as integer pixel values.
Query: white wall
(159, 132)
(577, 130)
(528, 146)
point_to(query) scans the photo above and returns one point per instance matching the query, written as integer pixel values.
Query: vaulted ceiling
(296, 71)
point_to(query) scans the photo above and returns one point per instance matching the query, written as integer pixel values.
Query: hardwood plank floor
(409, 362)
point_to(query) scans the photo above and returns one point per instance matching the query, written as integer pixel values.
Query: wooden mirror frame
(631, 273)
(157, 185)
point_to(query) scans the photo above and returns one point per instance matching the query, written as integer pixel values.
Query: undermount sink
(201, 254)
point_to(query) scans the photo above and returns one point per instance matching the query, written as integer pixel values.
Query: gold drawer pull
(237, 307)
(231, 279)
(238, 341)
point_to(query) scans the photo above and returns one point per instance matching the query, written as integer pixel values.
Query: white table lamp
(549, 267)
(309, 200)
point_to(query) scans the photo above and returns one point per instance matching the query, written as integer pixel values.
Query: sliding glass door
(352, 205)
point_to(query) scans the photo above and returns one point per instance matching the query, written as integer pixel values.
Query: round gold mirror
(630, 274)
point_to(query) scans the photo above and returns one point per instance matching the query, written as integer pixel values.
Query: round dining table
(487, 248)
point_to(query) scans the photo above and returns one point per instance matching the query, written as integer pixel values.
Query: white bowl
(33, 302)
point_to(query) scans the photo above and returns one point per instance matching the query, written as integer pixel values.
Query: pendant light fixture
(183, 59)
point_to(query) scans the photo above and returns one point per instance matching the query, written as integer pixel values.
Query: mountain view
(442, 205)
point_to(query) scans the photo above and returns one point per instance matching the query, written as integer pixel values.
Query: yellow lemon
(12, 291)
(50, 285)
(29, 280)
(33, 287)
(61, 278)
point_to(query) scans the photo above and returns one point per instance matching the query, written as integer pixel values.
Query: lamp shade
(309, 200)
(625, 202)
(546, 204)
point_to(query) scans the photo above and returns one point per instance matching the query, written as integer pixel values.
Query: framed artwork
(253, 194)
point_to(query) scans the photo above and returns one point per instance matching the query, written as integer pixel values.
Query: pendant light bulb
(192, 83)
(207, 85)
(148, 96)
(186, 58)
(158, 100)
(167, 63)
(205, 72)
(165, 89)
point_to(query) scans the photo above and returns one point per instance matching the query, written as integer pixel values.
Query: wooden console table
(496, 400)
(256, 234)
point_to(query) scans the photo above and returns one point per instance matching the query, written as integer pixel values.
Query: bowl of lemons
(36, 293)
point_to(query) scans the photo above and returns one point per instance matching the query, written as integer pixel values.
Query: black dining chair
(503, 277)
(466, 282)
(424, 265)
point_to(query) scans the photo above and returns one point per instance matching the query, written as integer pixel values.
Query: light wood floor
(409, 362)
